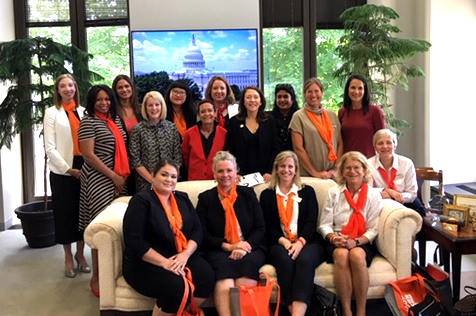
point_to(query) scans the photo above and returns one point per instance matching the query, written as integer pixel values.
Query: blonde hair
(158, 97)
(224, 156)
(356, 156)
(280, 158)
(385, 132)
(230, 97)
(57, 97)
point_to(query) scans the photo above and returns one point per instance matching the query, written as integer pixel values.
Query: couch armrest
(104, 233)
(397, 226)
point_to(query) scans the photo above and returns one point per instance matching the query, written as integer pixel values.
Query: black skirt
(226, 268)
(369, 248)
(65, 202)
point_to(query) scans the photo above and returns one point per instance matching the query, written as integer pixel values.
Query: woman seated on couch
(234, 231)
(295, 249)
(161, 234)
(349, 221)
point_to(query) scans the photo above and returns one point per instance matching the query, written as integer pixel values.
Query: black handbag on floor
(323, 303)
(467, 305)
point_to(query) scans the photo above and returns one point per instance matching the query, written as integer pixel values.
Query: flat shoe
(96, 293)
(70, 273)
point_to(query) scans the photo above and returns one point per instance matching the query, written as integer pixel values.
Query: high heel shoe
(70, 273)
(85, 268)
(96, 293)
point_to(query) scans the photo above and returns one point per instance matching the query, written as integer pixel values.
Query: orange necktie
(286, 214)
(356, 225)
(390, 182)
(232, 235)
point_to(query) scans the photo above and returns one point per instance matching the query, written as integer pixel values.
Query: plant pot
(38, 226)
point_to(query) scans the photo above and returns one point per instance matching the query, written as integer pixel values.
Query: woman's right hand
(74, 172)
(237, 254)
(322, 175)
(170, 265)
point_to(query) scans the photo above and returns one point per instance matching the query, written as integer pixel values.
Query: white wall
(10, 160)
(452, 89)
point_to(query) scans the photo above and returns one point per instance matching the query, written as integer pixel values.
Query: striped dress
(97, 190)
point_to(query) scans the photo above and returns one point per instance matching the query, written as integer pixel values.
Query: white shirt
(405, 179)
(294, 221)
(337, 212)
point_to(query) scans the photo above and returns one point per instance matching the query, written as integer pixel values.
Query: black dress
(250, 218)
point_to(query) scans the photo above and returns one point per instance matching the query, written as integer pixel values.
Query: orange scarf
(356, 225)
(385, 178)
(326, 130)
(220, 118)
(73, 124)
(121, 161)
(181, 125)
(232, 235)
(175, 220)
(286, 214)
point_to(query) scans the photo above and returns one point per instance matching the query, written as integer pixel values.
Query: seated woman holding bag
(295, 249)
(234, 231)
(162, 233)
(349, 221)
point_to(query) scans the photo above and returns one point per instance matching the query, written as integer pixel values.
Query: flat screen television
(198, 55)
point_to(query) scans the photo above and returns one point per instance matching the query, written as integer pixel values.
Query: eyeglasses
(179, 93)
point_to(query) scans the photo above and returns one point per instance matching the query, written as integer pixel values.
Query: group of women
(94, 152)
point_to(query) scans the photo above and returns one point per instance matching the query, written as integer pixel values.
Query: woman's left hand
(180, 261)
(237, 254)
(350, 243)
(295, 249)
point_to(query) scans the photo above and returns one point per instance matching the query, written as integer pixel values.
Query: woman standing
(153, 139)
(349, 221)
(295, 249)
(316, 134)
(202, 142)
(219, 91)
(129, 111)
(61, 124)
(106, 167)
(252, 135)
(359, 119)
(180, 107)
(234, 231)
(285, 105)
(161, 234)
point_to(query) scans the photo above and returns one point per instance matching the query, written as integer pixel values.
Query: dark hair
(289, 89)
(187, 107)
(243, 113)
(92, 96)
(134, 100)
(163, 162)
(230, 97)
(203, 102)
(365, 99)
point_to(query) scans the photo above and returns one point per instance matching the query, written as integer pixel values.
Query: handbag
(254, 301)
(411, 296)
(194, 310)
(467, 305)
(323, 302)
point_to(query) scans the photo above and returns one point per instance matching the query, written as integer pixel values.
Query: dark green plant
(154, 81)
(369, 48)
(29, 68)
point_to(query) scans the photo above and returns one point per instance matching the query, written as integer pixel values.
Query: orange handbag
(194, 310)
(254, 301)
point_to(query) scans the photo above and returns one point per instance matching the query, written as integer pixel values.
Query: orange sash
(74, 125)
(121, 161)
(385, 178)
(326, 130)
(232, 235)
(356, 225)
(220, 118)
(286, 214)
(175, 220)
(181, 125)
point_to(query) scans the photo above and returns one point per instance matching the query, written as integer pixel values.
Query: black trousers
(296, 277)
(167, 287)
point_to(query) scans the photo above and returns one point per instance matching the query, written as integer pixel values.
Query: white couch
(397, 225)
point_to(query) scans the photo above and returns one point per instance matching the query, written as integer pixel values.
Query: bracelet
(332, 238)
(302, 240)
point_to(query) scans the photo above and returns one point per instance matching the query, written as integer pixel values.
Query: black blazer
(307, 218)
(268, 144)
(146, 225)
(247, 210)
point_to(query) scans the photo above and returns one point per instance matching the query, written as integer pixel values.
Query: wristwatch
(357, 242)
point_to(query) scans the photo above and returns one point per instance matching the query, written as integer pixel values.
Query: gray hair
(385, 132)
(224, 156)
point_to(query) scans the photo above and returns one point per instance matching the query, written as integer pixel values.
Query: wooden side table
(457, 243)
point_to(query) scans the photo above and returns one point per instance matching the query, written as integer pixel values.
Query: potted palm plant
(29, 68)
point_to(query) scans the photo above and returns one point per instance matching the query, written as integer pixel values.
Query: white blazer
(58, 139)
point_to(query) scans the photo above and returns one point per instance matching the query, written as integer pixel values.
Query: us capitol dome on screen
(194, 68)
